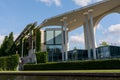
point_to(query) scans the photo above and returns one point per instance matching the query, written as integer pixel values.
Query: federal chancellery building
(54, 40)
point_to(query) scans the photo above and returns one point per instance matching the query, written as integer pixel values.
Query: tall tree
(10, 41)
(11, 38)
(6, 45)
(38, 40)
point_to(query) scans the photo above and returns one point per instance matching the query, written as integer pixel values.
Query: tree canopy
(38, 40)
(104, 43)
(6, 45)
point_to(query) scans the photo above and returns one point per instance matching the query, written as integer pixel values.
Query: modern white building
(88, 16)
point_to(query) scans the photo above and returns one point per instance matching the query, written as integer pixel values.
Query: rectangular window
(58, 37)
(49, 37)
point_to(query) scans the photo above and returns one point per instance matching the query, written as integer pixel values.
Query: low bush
(79, 65)
(41, 57)
(2, 63)
(9, 62)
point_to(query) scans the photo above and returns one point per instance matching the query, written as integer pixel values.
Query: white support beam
(92, 33)
(87, 35)
(63, 46)
(66, 41)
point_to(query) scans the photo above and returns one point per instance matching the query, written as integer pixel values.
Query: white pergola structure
(27, 32)
(88, 16)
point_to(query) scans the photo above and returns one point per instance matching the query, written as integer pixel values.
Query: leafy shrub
(9, 63)
(80, 65)
(41, 57)
(2, 63)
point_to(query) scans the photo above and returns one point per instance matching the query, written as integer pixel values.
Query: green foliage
(41, 57)
(9, 63)
(2, 63)
(25, 49)
(19, 47)
(104, 43)
(6, 45)
(80, 65)
(10, 40)
(38, 40)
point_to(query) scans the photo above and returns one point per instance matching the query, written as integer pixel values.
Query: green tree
(10, 43)
(38, 40)
(104, 43)
(11, 39)
(6, 45)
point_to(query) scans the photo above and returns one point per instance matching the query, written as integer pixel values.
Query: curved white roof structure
(75, 18)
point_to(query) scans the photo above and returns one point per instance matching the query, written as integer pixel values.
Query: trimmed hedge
(2, 63)
(80, 65)
(9, 63)
(41, 57)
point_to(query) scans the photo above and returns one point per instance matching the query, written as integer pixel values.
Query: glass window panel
(58, 37)
(49, 37)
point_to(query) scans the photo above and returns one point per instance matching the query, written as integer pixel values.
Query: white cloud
(57, 2)
(50, 2)
(98, 0)
(82, 2)
(114, 29)
(112, 35)
(85, 2)
(76, 41)
(77, 2)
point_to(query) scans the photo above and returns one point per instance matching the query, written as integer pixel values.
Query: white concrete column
(87, 35)
(31, 51)
(92, 33)
(66, 41)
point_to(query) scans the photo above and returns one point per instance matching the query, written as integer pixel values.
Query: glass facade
(54, 53)
(49, 37)
(53, 37)
(114, 51)
(53, 42)
(101, 53)
(77, 55)
(58, 37)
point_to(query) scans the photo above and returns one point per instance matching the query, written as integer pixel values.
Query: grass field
(65, 71)
(82, 71)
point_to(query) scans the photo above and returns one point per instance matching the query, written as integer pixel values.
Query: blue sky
(16, 14)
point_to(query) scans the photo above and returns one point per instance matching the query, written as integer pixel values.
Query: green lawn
(74, 71)
(66, 71)
(82, 71)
